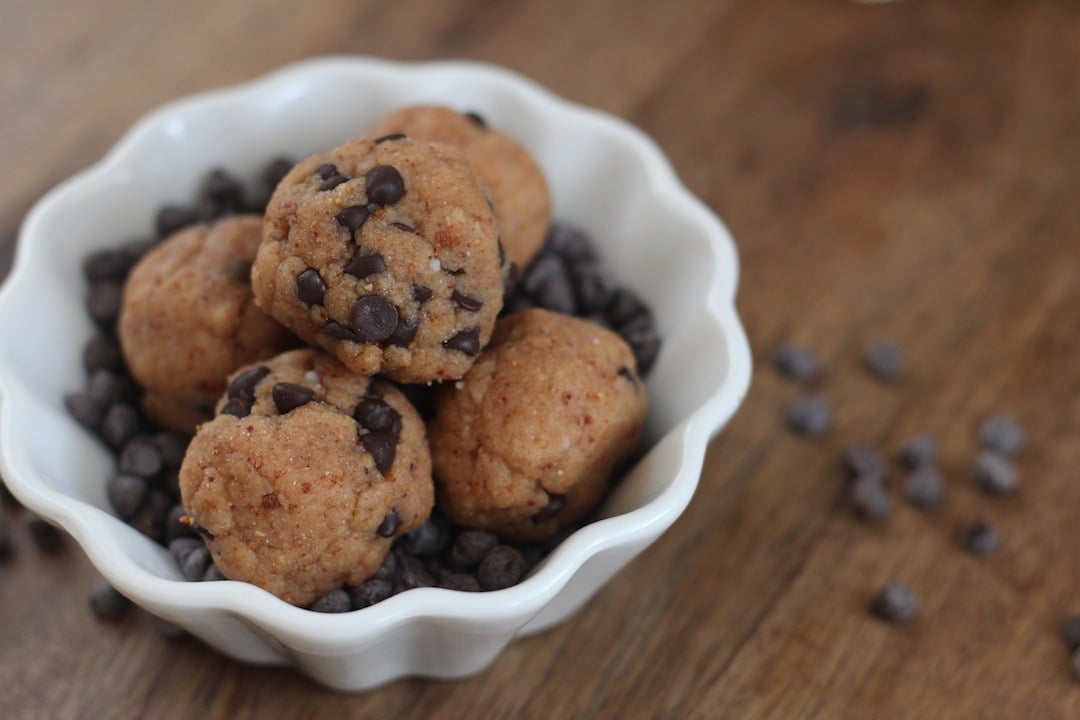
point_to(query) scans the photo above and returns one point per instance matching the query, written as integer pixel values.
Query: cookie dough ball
(306, 476)
(386, 255)
(189, 319)
(516, 183)
(525, 443)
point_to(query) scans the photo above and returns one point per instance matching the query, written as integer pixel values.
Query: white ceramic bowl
(605, 175)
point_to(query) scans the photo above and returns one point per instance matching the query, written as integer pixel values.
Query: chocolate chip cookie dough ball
(306, 476)
(516, 183)
(189, 319)
(524, 444)
(385, 254)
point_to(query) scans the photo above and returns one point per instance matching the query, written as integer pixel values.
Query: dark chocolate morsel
(326, 171)
(107, 603)
(140, 456)
(383, 448)
(335, 601)
(376, 416)
(504, 566)
(275, 171)
(237, 407)
(126, 494)
(894, 603)
(404, 333)
(389, 525)
(364, 263)
(388, 138)
(555, 505)
(467, 341)
(121, 423)
(470, 548)
(467, 302)
(353, 218)
(476, 118)
(333, 182)
(625, 372)
(374, 318)
(338, 331)
(371, 591)
(422, 293)
(403, 227)
(172, 218)
(289, 396)
(243, 385)
(384, 184)
(310, 287)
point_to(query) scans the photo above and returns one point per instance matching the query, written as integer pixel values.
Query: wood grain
(904, 171)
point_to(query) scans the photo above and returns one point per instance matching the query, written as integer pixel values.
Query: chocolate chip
(511, 277)
(171, 632)
(403, 227)
(994, 474)
(370, 592)
(276, 170)
(796, 363)
(389, 525)
(181, 547)
(104, 302)
(243, 385)
(1001, 434)
(569, 242)
(594, 287)
(918, 451)
(384, 184)
(175, 526)
(107, 603)
(466, 341)
(466, 302)
(555, 505)
(102, 353)
(86, 409)
(172, 447)
(364, 263)
(141, 456)
(109, 265)
(546, 281)
(376, 416)
(428, 540)
(870, 498)
(644, 341)
(470, 548)
(213, 574)
(476, 119)
(336, 330)
(413, 574)
(1070, 633)
(237, 407)
(173, 218)
(193, 566)
(120, 424)
(289, 396)
(885, 361)
(332, 182)
(48, 538)
(624, 308)
(504, 566)
(894, 603)
(422, 293)
(335, 601)
(389, 569)
(222, 190)
(152, 517)
(809, 416)
(462, 582)
(326, 171)
(924, 487)
(383, 448)
(627, 373)
(353, 218)
(111, 387)
(387, 138)
(374, 318)
(310, 287)
(863, 459)
(979, 537)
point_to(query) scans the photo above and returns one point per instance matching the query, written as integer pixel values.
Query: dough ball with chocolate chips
(506, 169)
(189, 319)
(306, 476)
(385, 254)
(524, 444)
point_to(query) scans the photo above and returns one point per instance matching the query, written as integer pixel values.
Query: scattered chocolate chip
(376, 416)
(310, 287)
(383, 448)
(1070, 633)
(422, 293)
(1001, 434)
(275, 171)
(175, 527)
(994, 474)
(403, 227)
(289, 396)
(413, 574)
(625, 372)
(917, 452)
(548, 283)
(374, 318)
(109, 265)
(172, 447)
(644, 340)
(222, 190)
(504, 566)
(389, 525)
(476, 119)
(569, 242)
(353, 218)
(237, 407)
(336, 330)
(152, 517)
(625, 308)
(796, 363)
(364, 263)
(107, 603)
(894, 603)
(102, 353)
(863, 460)
(371, 591)
(332, 182)
(809, 416)
(387, 138)
(389, 569)
(428, 540)
(467, 341)
(173, 218)
(470, 548)
(594, 287)
(870, 498)
(885, 361)
(194, 564)
(243, 385)
(140, 456)
(384, 184)
(181, 547)
(326, 171)
(335, 601)
(404, 333)
(466, 302)
(104, 301)
(48, 538)
(213, 574)
(979, 537)
(555, 505)
(462, 582)
(86, 409)
(121, 423)
(111, 387)
(126, 494)
(924, 487)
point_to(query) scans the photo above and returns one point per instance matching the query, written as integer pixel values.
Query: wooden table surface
(907, 171)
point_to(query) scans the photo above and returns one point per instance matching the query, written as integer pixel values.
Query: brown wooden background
(907, 170)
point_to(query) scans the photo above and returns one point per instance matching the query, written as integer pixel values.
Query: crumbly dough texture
(293, 501)
(188, 319)
(518, 189)
(386, 255)
(524, 444)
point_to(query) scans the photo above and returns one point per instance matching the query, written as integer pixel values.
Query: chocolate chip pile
(566, 277)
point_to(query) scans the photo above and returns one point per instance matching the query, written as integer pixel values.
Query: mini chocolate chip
(644, 341)
(462, 582)
(476, 119)
(102, 353)
(387, 138)
(389, 569)
(979, 537)
(885, 361)
(195, 563)
(510, 278)
(86, 409)
(994, 474)
(624, 308)
(243, 385)
(469, 548)
(172, 218)
(152, 517)
(173, 447)
(895, 603)
(809, 416)
(383, 448)
(376, 416)
(1070, 633)
(546, 281)
(237, 407)
(374, 318)
(428, 540)
(870, 498)
(370, 592)
(333, 182)
(918, 451)
(389, 525)
(336, 330)
(257, 197)
(796, 363)
(555, 505)
(326, 171)
(181, 547)
(353, 218)
(625, 372)
(467, 302)
(111, 387)
(594, 286)
(384, 184)
(47, 537)
(120, 424)
(364, 263)
(413, 574)
(403, 227)
(504, 566)
(170, 482)
(104, 302)
(310, 287)
(213, 574)
(140, 456)
(422, 293)
(222, 190)
(175, 527)
(109, 265)
(924, 487)
(1001, 434)
(289, 396)
(862, 460)
(335, 601)
(107, 603)
(569, 242)
(275, 170)
(466, 341)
